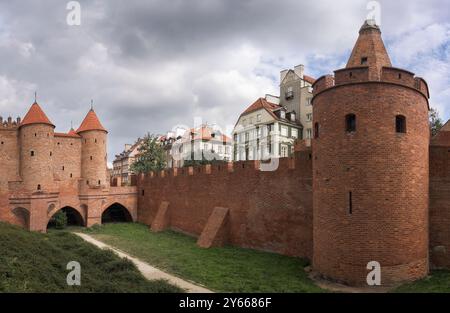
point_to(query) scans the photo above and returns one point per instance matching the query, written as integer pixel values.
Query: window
(309, 133)
(91, 157)
(32, 153)
(364, 60)
(400, 124)
(308, 101)
(63, 168)
(143, 192)
(219, 149)
(316, 130)
(284, 151)
(289, 93)
(282, 114)
(350, 123)
(294, 133)
(350, 203)
(284, 131)
(99, 182)
(293, 116)
(258, 118)
(38, 187)
(51, 153)
(309, 117)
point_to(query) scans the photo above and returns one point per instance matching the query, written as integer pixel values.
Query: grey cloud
(150, 65)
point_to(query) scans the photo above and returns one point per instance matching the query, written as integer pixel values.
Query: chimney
(283, 74)
(299, 70)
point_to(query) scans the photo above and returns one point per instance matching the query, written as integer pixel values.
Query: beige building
(123, 161)
(296, 95)
(265, 130)
(203, 142)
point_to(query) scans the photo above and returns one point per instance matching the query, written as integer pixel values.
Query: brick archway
(22, 216)
(74, 216)
(116, 212)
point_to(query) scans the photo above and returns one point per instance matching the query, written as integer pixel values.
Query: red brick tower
(93, 151)
(36, 134)
(371, 176)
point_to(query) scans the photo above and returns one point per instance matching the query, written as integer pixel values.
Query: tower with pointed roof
(93, 150)
(370, 168)
(36, 137)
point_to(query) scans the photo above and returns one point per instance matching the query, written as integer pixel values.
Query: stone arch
(22, 216)
(74, 217)
(116, 212)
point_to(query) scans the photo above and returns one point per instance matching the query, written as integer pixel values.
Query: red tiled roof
(91, 122)
(309, 79)
(70, 134)
(35, 116)
(261, 103)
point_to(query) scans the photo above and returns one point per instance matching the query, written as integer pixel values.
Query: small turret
(93, 150)
(36, 134)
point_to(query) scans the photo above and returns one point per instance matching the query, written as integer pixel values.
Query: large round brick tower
(93, 151)
(36, 134)
(370, 178)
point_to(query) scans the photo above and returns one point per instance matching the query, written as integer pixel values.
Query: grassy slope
(226, 269)
(437, 281)
(33, 262)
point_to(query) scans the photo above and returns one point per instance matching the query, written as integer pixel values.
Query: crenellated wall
(269, 211)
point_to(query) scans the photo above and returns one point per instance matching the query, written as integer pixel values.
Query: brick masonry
(270, 211)
(43, 171)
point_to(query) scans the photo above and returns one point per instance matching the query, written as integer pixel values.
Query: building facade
(296, 95)
(123, 161)
(205, 142)
(265, 130)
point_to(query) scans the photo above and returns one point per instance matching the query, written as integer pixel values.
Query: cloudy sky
(151, 65)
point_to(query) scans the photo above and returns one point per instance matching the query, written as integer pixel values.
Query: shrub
(60, 219)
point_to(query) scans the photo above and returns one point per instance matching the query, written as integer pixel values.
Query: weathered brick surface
(387, 174)
(216, 231)
(62, 165)
(270, 211)
(440, 199)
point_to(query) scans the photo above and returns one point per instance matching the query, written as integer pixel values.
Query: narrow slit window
(350, 203)
(38, 187)
(32, 153)
(316, 130)
(400, 124)
(350, 123)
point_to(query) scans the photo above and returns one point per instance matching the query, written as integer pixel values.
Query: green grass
(437, 281)
(227, 269)
(34, 262)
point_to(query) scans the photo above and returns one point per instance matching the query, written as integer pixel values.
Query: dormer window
(293, 116)
(364, 60)
(282, 114)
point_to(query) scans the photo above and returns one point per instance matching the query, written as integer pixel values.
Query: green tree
(435, 122)
(60, 220)
(151, 157)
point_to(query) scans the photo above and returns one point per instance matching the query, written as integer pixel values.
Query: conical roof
(35, 115)
(369, 50)
(91, 122)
